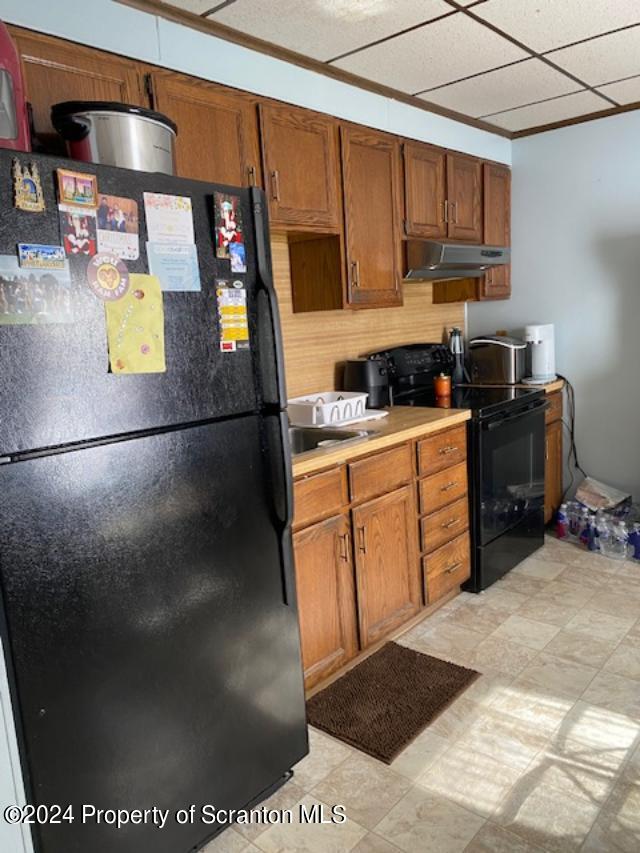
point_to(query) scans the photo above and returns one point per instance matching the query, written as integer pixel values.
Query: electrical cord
(570, 426)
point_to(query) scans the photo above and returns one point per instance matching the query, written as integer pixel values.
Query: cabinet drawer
(319, 496)
(381, 473)
(444, 525)
(446, 568)
(554, 412)
(443, 488)
(442, 450)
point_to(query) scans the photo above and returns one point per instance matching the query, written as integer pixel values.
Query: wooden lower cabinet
(387, 563)
(553, 469)
(326, 597)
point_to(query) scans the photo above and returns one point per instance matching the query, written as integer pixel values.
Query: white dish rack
(328, 408)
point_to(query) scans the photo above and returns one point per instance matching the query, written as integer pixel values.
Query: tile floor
(542, 753)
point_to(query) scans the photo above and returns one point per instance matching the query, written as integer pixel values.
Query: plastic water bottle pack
(607, 533)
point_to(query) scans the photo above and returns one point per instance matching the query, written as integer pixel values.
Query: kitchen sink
(307, 438)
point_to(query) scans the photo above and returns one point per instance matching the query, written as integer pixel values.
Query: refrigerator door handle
(281, 495)
(265, 283)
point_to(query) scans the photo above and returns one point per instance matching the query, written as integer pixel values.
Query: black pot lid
(67, 109)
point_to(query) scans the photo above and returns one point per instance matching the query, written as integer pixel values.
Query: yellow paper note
(135, 328)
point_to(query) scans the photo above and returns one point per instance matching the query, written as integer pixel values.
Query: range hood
(430, 259)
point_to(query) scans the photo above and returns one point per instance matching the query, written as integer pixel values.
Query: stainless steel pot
(114, 134)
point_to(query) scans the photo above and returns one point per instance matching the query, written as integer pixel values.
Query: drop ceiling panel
(624, 91)
(324, 29)
(603, 60)
(435, 54)
(503, 89)
(546, 24)
(569, 106)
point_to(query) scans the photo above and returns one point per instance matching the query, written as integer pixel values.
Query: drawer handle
(344, 547)
(452, 568)
(362, 546)
(451, 523)
(444, 451)
(449, 486)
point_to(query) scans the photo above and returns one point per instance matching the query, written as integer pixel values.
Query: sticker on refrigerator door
(175, 265)
(118, 227)
(27, 187)
(231, 297)
(39, 257)
(78, 230)
(169, 218)
(108, 277)
(229, 234)
(135, 328)
(34, 297)
(77, 188)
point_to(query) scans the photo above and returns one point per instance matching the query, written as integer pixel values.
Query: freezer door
(55, 384)
(154, 658)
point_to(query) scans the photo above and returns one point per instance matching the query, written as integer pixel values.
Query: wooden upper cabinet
(371, 176)
(464, 194)
(217, 129)
(425, 173)
(56, 70)
(300, 157)
(387, 563)
(326, 597)
(496, 284)
(497, 204)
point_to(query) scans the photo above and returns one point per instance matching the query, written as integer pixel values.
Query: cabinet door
(553, 470)
(496, 283)
(326, 597)
(371, 169)
(424, 191)
(464, 193)
(56, 70)
(300, 156)
(387, 563)
(217, 129)
(497, 204)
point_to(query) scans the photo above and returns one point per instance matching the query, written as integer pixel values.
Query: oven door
(511, 469)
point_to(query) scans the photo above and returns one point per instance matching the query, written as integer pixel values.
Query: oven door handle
(509, 419)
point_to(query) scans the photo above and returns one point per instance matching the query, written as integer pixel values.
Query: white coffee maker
(540, 338)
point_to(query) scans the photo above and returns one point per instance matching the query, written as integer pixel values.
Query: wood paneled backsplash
(316, 344)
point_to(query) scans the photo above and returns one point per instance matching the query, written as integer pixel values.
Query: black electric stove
(505, 459)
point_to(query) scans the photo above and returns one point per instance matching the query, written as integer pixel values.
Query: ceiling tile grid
(604, 59)
(624, 91)
(437, 53)
(503, 89)
(547, 24)
(547, 112)
(516, 64)
(324, 29)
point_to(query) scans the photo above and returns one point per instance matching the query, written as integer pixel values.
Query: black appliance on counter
(148, 611)
(506, 456)
(370, 375)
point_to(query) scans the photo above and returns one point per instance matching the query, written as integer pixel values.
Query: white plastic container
(330, 407)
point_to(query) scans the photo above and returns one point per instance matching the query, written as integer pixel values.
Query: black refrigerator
(148, 610)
